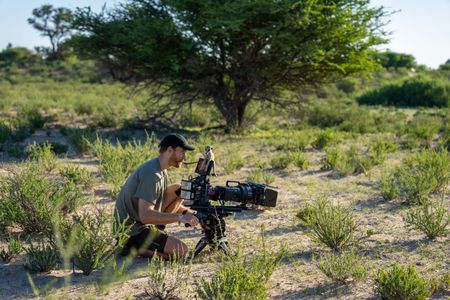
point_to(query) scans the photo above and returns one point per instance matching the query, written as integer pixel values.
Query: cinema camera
(198, 194)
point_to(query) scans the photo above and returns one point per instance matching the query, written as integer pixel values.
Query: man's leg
(172, 202)
(173, 248)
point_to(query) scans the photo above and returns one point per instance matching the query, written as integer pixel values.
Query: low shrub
(432, 218)
(13, 249)
(401, 283)
(80, 138)
(380, 149)
(390, 186)
(326, 138)
(347, 162)
(413, 92)
(95, 241)
(261, 176)
(331, 225)
(44, 155)
(241, 277)
(343, 267)
(116, 163)
(424, 128)
(280, 161)
(168, 280)
(77, 174)
(32, 116)
(232, 161)
(283, 160)
(42, 258)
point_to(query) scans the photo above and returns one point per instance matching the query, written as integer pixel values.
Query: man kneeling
(148, 203)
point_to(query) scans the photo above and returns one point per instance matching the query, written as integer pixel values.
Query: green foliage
(168, 280)
(79, 138)
(232, 30)
(326, 138)
(44, 155)
(390, 186)
(281, 161)
(31, 199)
(241, 277)
(413, 92)
(400, 283)
(31, 116)
(380, 149)
(40, 259)
(116, 163)
(342, 267)
(394, 60)
(330, 225)
(424, 128)
(299, 160)
(261, 176)
(95, 241)
(347, 162)
(432, 218)
(77, 174)
(13, 249)
(232, 161)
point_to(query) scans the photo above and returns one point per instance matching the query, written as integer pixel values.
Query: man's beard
(174, 162)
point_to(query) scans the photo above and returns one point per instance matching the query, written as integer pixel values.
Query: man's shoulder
(150, 168)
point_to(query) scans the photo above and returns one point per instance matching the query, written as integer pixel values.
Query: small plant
(259, 175)
(76, 174)
(330, 225)
(299, 160)
(280, 161)
(343, 267)
(390, 186)
(325, 138)
(241, 277)
(80, 138)
(432, 218)
(400, 283)
(14, 248)
(380, 150)
(348, 162)
(168, 280)
(44, 155)
(232, 161)
(96, 244)
(40, 259)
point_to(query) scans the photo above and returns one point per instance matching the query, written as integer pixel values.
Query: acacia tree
(232, 52)
(54, 23)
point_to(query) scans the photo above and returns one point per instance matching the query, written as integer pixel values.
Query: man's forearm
(183, 209)
(158, 218)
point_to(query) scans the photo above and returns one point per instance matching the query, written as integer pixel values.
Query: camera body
(197, 192)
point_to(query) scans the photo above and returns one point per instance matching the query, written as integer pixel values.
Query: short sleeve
(148, 187)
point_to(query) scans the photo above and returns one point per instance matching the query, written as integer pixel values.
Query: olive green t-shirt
(147, 182)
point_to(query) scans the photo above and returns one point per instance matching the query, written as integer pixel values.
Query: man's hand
(190, 219)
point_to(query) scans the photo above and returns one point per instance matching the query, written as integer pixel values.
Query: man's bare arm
(148, 215)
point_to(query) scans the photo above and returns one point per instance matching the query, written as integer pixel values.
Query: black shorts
(150, 238)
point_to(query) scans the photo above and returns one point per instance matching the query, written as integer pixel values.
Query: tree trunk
(234, 115)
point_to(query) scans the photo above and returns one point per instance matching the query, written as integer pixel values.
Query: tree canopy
(54, 23)
(231, 52)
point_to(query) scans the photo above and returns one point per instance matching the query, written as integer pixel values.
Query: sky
(420, 28)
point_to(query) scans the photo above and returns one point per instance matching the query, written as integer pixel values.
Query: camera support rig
(197, 193)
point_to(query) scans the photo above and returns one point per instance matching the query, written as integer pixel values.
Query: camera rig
(198, 193)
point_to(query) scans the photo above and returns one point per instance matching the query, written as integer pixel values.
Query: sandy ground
(297, 277)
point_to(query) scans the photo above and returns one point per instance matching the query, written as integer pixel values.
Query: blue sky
(420, 28)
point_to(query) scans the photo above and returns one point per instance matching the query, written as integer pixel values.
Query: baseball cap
(175, 140)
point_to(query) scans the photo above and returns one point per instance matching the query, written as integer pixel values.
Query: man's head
(174, 147)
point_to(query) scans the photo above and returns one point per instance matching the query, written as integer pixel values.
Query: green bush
(42, 258)
(44, 155)
(413, 92)
(96, 243)
(330, 225)
(390, 186)
(31, 116)
(31, 199)
(232, 161)
(380, 149)
(241, 277)
(399, 283)
(347, 162)
(261, 176)
(280, 161)
(13, 249)
(77, 174)
(80, 138)
(432, 218)
(326, 138)
(343, 267)
(116, 163)
(299, 160)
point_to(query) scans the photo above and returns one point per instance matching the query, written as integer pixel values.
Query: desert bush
(380, 149)
(421, 130)
(12, 250)
(326, 138)
(342, 267)
(417, 91)
(31, 116)
(95, 241)
(77, 174)
(294, 141)
(80, 138)
(390, 185)
(425, 172)
(280, 161)
(168, 280)
(232, 161)
(241, 276)
(44, 155)
(261, 176)
(331, 225)
(299, 160)
(347, 162)
(116, 163)
(432, 218)
(400, 283)
(41, 258)
(31, 199)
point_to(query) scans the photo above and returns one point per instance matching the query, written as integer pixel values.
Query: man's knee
(175, 247)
